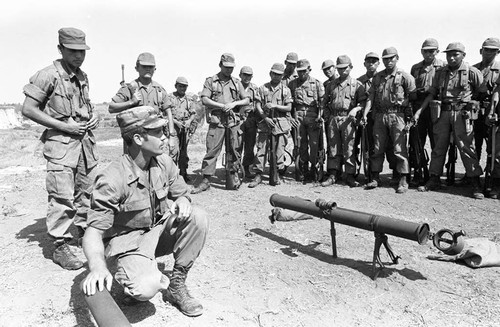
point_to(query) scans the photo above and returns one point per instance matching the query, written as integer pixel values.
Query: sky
(188, 37)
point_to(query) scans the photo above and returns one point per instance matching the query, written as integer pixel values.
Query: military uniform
(153, 95)
(249, 127)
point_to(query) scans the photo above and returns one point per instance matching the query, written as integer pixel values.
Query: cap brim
(491, 47)
(389, 56)
(146, 63)
(277, 72)
(156, 123)
(429, 48)
(76, 46)
(342, 66)
(374, 57)
(291, 61)
(451, 50)
(228, 64)
(323, 68)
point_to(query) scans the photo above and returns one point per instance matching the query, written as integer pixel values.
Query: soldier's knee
(144, 287)
(199, 218)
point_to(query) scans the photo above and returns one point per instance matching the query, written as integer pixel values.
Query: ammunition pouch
(471, 110)
(435, 108)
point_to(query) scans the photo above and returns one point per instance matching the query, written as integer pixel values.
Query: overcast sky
(188, 37)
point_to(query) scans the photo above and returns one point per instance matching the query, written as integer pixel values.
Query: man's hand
(72, 127)
(491, 120)
(92, 123)
(228, 107)
(294, 123)
(181, 206)
(136, 97)
(354, 111)
(269, 122)
(97, 279)
(364, 120)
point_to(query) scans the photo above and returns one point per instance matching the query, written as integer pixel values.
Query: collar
(136, 174)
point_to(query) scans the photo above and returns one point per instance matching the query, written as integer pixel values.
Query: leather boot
(351, 181)
(332, 178)
(178, 295)
(434, 183)
(476, 188)
(248, 173)
(64, 257)
(403, 184)
(375, 181)
(256, 181)
(203, 186)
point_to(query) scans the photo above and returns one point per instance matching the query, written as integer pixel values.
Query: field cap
(143, 116)
(303, 64)
(455, 46)
(343, 61)
(278, 68)
(292, 58)
(227, 60)
(491, 43)
(146, 59)
(389, 52)
(181, 80)
(246, 70)
(429, 44)
(372, 55)
(327, 63)
(72, 38)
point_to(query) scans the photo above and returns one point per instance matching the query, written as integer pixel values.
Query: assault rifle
(365, 153)
(444, 240)
(122, 83)
(273, 159)
(490, 161)
(320, 163)
(450, 164)
(232, 162)
(296, 151)
(419, 158)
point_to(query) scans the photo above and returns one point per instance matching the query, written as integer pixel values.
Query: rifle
(273, 159)
(296, 151)
(490, 161)
(365, 154)
(122, 83)
(232, 157)
(419, 158)
(450, 164)
(320, 163)
(380, 225)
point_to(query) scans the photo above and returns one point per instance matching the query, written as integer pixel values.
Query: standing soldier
(328, 68)
(143, 91)
(453, 87)
(290, 66)
(490, 68)
(389, 98)
(424, 73)
(273, 105)
(183, 115)
(221, 94)
(249, 124)
(57, 97)
(307, 93)
(493, 120)
(346, 96)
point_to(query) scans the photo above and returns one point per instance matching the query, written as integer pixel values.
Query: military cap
(455, 46)
(327, 63)
(292, 58)
(181, 80)
(227, 60)
(429, 44)
(491, 43)
(246, 70)
(372, 55)
(389, 52)
(143, 116)
(146, 59)
(278, 68)
(343, 61)
(72, 38)
(303, 64)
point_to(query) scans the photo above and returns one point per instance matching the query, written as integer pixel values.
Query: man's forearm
(116, 107)
(93, 247)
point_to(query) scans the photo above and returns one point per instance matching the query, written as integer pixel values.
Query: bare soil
(252, 272)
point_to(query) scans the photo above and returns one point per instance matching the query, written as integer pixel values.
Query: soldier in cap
(249, 120)
(183, 115)
(424, 73)
(290, 68)
(141, 210)
(389, 100)
(143, 91)
(273, 105)
(453, 88)
(222, 94)
(57, 97)
(493, 120)
(307, 94)
(346, 96)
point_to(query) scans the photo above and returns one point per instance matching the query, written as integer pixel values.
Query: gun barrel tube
(362, 220)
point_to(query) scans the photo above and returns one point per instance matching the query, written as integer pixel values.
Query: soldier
(490, 68)
(57, 97)
(290, 68)
(272, 96)
(307, 93)
(222, 94)
(424, 73)
(184, 116)
(249, 124)
(328, 68)
(493, 121)
(389, 98)
(453, 86)
(346, 97)
(140, 210)
(143, 91)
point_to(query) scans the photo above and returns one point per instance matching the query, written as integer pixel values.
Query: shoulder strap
(60, 73)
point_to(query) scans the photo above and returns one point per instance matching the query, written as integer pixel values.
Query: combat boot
(396, 177)
(476, 188)
(351, 181)
(64, 257)
(256, 181)
(403, 184)
(203, 186)
(434, 183)
(374, 183)
(248, 173)
(332, 178)
(178, 295)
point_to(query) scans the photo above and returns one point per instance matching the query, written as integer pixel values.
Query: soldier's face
(488, 54)
(145, 71)
(329, 71)
(391, 62)
(181, 88)
(303, 74)
(246, 78)
(275, 78)
(226, 71)
(429, 54)
(344, 72)
(289, 67)
(153, 144)
(73, 58)
(371, 64)
(454, 58)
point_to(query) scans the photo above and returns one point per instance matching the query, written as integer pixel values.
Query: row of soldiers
(453, 104)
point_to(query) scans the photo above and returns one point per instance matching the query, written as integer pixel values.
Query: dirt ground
(252, 272)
